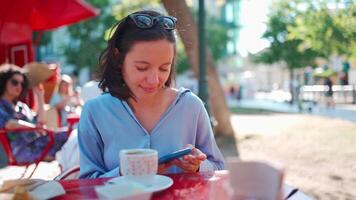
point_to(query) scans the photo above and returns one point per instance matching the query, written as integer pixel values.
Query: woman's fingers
(196, 152)
(192, 159)
(163, 167)
(186, 166)
(191, 162)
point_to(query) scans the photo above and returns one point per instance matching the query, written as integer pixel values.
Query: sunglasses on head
(145, 21)
(15, 82)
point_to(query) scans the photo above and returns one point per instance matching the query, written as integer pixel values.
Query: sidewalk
(340, 111)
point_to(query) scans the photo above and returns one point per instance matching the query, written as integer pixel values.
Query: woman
(66, 100)
(26, 147)
(140, 108)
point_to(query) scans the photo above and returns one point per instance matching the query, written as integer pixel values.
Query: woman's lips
(149, 89)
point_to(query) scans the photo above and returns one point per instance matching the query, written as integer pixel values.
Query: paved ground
(340, 111)
(317, 152)
(46, 170)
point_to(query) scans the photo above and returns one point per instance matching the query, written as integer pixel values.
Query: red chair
(7, 147)
(72, 119)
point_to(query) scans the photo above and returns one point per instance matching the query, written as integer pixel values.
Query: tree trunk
(187, 29)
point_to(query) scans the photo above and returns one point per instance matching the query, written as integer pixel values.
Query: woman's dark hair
(7, 74)
(126, 34)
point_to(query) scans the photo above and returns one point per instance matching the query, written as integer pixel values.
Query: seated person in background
(26, 147)
(140, 108)
(90, 90)
(65, 99)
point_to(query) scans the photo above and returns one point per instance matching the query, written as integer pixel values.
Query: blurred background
(281, 76)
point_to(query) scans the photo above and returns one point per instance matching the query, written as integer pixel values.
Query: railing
(343, 94)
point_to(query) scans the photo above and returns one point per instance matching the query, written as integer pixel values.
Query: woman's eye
(141, 68)
(164, 69)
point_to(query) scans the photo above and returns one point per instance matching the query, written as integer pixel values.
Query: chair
(7, 147)
(255, 180)
(72, 173)
(53, 117)
(49, 131)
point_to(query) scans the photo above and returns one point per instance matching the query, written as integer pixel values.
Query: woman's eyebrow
(167, 63)
(147, 63)
(142, 62)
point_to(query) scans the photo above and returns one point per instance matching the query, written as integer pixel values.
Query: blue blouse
(108, 125)
(20, 111)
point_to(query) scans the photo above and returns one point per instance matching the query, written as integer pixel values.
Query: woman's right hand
(163, 167)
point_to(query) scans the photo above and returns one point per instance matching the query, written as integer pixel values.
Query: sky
(253, 14)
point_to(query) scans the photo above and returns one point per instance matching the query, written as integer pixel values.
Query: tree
(86, 38)
(282, 48)
(217, 44)
(328, 31)
(187, 30)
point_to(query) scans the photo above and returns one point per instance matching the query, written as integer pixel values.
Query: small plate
(159, 183)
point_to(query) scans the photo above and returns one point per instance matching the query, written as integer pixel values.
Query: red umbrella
(44, 14)
(18, 18)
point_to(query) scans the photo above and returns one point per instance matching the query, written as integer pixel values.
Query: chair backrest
(72, 173)
(53, 117)
(255, 180)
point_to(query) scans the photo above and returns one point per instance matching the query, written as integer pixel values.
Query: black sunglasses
(145, 21)
(15, 82)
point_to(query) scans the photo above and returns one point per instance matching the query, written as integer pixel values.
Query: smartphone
(174, 155)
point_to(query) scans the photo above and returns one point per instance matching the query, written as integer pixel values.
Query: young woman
(140, 108)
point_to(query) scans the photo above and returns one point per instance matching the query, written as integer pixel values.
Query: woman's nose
(152, 78)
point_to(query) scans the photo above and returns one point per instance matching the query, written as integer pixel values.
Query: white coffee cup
(139, 165)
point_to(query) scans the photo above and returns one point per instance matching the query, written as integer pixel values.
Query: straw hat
(37, 72)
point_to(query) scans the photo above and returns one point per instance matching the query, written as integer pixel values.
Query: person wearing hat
(65, 99)
(14, 114)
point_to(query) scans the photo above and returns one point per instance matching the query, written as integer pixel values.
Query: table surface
(202, 185)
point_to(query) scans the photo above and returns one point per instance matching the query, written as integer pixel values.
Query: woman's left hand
(191, 162)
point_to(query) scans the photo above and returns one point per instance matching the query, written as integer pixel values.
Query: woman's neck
(147, 102)
(8, 98)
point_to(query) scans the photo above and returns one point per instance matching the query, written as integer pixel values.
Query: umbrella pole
(36, 42)
(38, 38)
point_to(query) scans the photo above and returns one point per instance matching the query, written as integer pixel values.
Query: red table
(207, 185)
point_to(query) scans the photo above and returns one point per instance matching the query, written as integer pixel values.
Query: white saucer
(160, 183)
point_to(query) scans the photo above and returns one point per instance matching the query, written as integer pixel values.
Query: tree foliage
(327, 30)
(301, 30)
(86, 38)
(282, 47)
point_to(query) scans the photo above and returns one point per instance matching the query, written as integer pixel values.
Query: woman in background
(66, 100)
(26, 147)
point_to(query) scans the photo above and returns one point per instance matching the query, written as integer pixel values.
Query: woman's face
(147, 67)
(64, 88)
(14, 86)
